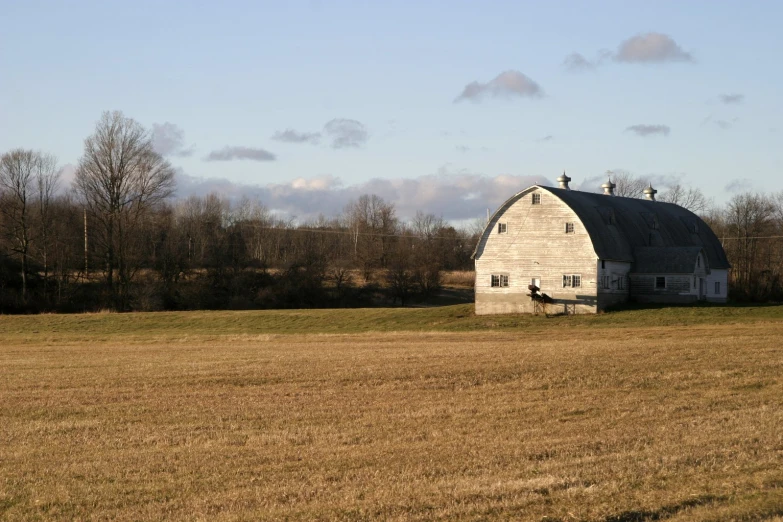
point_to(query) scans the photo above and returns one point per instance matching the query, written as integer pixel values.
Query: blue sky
(306, 104)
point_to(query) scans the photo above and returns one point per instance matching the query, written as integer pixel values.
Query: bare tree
(120, 178)
(688, 197)
(627, 185)
(47, 179)
(372, 222)
(749, 217)
(27, 177)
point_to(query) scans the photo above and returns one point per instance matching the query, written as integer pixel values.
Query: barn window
(499, 280)
(605, 281)
(569, 228)
(621, 283)
(660, 282)
(502, 228)
(536, 199)
(572, 281)
(717, 287)
(603, 264)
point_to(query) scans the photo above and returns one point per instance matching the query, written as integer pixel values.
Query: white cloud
(454, 195)
(575, 62)
(508, 84)
(651, 48)
(67, 174)
(730, 99)
(229, 153)
(346, 133)
(721, 124)
(649, 130)
(738, 185)
(168, 139)
(292, 136)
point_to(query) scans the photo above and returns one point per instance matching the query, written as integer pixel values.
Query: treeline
(116, 240)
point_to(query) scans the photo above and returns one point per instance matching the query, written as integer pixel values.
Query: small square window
(536, 199)
(577, 279)
(660, 282)
(566, 281)
(572, 281)
(502, 228)
(569, 228)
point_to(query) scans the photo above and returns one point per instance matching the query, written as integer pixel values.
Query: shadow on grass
(630, 306)
(664, 512)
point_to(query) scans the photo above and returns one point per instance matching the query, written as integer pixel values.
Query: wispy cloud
(168, 139)
(732, 99)
(346, 133)
(508, 84)
(229, 153)
(649, 130)
(575, 62)
(651, 48)
(292, 136)
(545, 139)
(725, 124)
(720, 123)
(739, 185)
(67, 174)
(453, 194)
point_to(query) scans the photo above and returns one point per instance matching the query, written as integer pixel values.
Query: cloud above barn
(508, 84)
(651, 48)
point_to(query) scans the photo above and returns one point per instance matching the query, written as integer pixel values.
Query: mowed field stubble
(430, 414)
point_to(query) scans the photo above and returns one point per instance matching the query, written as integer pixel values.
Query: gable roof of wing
(667, 260)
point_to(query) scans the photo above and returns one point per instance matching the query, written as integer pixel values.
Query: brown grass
(612, 424)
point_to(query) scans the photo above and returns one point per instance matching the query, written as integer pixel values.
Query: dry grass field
(393, 415)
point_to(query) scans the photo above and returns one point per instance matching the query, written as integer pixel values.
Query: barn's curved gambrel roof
(617, 225)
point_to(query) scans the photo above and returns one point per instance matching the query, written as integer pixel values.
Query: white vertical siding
(720, 276)
(536, 245)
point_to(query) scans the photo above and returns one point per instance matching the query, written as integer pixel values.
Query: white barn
(588, 251)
